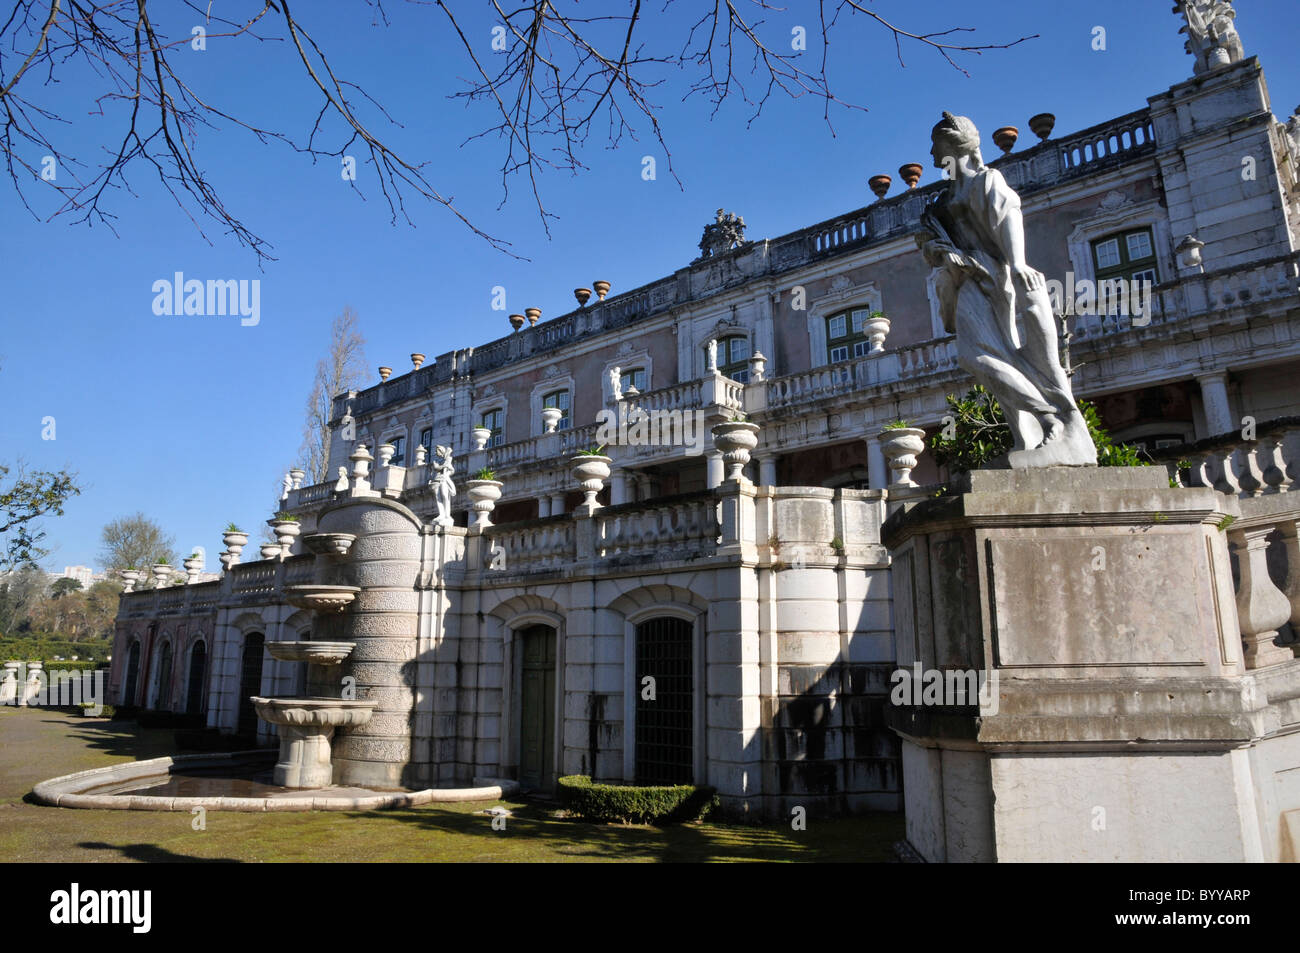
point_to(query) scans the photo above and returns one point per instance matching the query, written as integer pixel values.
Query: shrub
(635, 804)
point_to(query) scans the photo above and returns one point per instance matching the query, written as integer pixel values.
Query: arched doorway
(665, 723)
(537, 708)
(132, 673)
(198, 673)
(162, 695)
(250, 683)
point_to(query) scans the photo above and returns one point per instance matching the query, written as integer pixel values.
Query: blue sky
(193, 419)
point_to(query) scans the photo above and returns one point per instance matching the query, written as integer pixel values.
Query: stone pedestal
(1097, 604)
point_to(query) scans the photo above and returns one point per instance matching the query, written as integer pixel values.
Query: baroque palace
(674, 609)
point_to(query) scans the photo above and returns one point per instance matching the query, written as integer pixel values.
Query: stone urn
(911, 173)
(297, 475)
(9, 683)
(877, 329)
(534, 315)
(583, 295)
(1005, 138)
(481, 436)
(602, 289)
(879, 184)
(161, 573)
(235, 541)
(386, 451)
(901, 446)
(286, 531)
(329, 544)
(757, 367)
(517, 321)
(320, 597)
(483, 496)
(735, 439)
(551, 417)
(130, 577)
(270, 550)
(1042, 125)
(384, 372)
(591, 470)
(417, 360)
(193, 565)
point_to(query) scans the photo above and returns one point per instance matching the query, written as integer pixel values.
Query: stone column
(1214, 396)
(618, 486)
(716, 471)
(877, 472)
(557, 504)
(1262, 608)
(767, 470)
(543, 505)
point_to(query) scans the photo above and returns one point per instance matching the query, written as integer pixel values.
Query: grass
(36, 744)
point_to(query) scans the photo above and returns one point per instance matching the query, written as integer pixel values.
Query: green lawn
(36, 744)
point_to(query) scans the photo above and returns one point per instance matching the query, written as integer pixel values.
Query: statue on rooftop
(725, 232)
(1211, 35)
(973, 235)
(444, 488)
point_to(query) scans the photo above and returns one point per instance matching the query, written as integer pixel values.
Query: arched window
(495, 421)
(733, 357)
(163, 694)
(665, 725)
(250, 683)
(132, 674)
(1128, 257)
(560, 399)
(632, 377)
(844, 337)
(198, 677)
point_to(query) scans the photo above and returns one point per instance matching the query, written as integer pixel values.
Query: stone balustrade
(1262, 507)
(668, 529)
(536, 546)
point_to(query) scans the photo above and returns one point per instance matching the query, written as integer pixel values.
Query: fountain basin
(306, 726)
(320, 597)
(315, 652)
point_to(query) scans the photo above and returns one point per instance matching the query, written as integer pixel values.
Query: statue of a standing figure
(712, 352)
(443, 487)
(974, 236)
(616, 383)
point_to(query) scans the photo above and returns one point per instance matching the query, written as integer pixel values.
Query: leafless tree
(137, 542)
(341, 370)
(549, 71)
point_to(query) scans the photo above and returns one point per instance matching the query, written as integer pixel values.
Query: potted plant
(130, 576)
(590, 468)
(901, 442)
(162, 570)
(483, 490)
(735, 438)
(286, 527)
(234, 538)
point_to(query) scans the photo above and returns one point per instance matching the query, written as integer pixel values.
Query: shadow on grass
(152, 854)
(865, 838)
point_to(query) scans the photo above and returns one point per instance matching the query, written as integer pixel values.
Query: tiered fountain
(306, 724)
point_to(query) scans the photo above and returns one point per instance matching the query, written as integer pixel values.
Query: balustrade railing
(1243, 468)
(666, 530)
(538, 547)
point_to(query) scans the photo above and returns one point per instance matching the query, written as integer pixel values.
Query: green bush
(635, 804)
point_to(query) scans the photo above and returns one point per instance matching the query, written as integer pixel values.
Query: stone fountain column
(384, 562)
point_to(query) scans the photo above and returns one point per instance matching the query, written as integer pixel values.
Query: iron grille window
(665, 724)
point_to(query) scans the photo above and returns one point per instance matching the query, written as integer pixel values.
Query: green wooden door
(537, 709)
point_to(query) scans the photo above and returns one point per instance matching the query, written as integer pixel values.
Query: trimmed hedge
(635, 804)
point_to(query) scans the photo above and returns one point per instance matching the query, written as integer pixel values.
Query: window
(495, 421)
(633, 377)
(560, 399)
(733, 358)
(844, 335)
(1129, 257)
(399, 451)
(426, 441)
(665, 737)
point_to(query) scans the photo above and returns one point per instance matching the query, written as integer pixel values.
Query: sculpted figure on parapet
(444, 489)
(973, 235)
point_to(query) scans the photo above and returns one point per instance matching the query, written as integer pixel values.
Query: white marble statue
(713, 355)
(616, 383)
(287, 486)
(1211, 35)
(444, 488)
(342, 485)
(974, 237)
